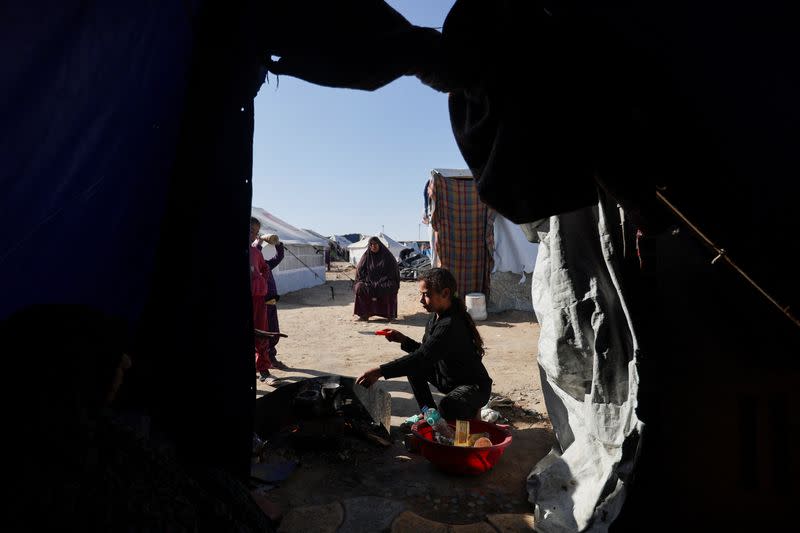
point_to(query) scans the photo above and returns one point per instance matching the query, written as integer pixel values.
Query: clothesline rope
(305, 265)
(723, 254)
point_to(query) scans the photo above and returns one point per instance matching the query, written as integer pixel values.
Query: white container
(476, 305)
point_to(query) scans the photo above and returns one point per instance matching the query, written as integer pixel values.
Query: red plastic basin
(462, 459)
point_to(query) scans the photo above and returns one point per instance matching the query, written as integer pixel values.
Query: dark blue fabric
(92, 96)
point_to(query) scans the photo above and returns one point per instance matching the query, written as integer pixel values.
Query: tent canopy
(357, 249)
(287, 233)
(316, 234)
(302, 266)
(342, 241)
(512, 250)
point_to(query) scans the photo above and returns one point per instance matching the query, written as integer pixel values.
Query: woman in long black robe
(377, 283)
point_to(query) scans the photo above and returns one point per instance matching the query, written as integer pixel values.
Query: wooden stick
(260, 333)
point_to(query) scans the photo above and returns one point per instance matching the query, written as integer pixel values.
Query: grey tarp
(587, 360)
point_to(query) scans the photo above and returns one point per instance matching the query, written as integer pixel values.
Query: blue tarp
(92, 99)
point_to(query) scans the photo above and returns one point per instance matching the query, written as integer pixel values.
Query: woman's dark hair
(438, 279)
(254, 220)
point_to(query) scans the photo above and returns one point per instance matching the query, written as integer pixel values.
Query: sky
(342, 161)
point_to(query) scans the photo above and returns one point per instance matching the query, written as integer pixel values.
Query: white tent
(411, 244)
(512, 250)
(514, 258)
(320, 236)
(357, 249)
(301, 247)
(341, 241)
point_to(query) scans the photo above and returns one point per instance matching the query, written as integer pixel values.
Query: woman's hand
(394, 336)
(369, 377)
(270, 238)
(362, 288)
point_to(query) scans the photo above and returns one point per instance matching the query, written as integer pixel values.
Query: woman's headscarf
(379, 269)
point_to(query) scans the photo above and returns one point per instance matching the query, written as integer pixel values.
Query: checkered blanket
(464, 233)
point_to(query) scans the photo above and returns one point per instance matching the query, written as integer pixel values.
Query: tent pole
(315, 274)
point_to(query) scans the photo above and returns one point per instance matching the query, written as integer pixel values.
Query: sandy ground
(324, 338)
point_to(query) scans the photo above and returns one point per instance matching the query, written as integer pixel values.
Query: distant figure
(377, 283)
(258, 291)
(272, 296)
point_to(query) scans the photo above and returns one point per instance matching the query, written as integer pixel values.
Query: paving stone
(369, 513)
(409, 522)
(320, 518)
(511, 523)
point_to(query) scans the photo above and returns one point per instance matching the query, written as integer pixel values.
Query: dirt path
(324, 338)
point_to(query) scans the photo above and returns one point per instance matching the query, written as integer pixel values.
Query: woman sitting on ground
(377, 282)
(449, 356)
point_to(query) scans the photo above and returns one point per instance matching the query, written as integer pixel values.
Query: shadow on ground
(331, 293)
(396, 474)
(507, 318)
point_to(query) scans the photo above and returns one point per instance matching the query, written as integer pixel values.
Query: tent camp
(130, 123)
(339, 247)
(342, 241)
(411, 244)
(498, 255)
(357, 249)
(320, 236)
(301, 247)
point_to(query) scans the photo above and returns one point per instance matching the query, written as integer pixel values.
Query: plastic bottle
(413, 419)
(432, 416)
(441, 439)
(443, 428)
(416, 418)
